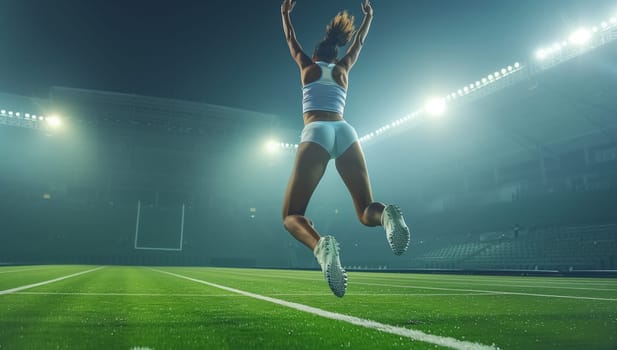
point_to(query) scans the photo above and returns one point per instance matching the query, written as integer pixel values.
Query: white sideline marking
(20, 270)
(499, 284)
(404, 332)
(236, 295)
(568, 281)
(492, 292)
(13, 290)
(513, 279)
(448, 280)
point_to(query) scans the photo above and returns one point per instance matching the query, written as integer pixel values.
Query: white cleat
(397, 231)
(327, 254)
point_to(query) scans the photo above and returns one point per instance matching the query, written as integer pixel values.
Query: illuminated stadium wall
(139, 180)
(71, 193)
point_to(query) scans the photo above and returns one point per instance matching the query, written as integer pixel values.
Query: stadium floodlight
(3, 112)
(272, 146)
(54, 121)
(580, 36)
(503, 71)
(517, 65)
(18, 114)
(435, 106)
(11, 113)
(541, 54)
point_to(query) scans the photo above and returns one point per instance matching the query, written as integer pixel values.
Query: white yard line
(400, 331)
(568, 281)
(14, 290)
(237, 295)
(112, 294)
(528, 282)
(449, 281)
(485, 282)
(494, 292)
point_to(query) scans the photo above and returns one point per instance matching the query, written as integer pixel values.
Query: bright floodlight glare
(3, 111)
(54, 121)
(580, 36)
(541, 54)
(435, 106)
(517, 65)
(272, 146)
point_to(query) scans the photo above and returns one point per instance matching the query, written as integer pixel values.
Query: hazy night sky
(233, 52)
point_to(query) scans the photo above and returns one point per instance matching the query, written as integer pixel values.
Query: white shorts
(334, 136)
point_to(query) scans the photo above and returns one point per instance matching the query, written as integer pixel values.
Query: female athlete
(326, 135)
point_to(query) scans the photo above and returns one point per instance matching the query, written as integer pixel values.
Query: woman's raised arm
(295, 49)
(353, 52)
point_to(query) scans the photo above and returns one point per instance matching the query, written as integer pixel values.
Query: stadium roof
(87, 104)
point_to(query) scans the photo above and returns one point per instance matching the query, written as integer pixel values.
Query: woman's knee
(291, 221)
(371, 215)
(287, 219)
(366, 221)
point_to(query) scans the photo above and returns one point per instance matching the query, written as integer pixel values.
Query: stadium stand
(566, 248)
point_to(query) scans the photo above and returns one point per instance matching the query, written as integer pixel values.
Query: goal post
(139, 226)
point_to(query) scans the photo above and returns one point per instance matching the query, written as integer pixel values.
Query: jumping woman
(326, 135)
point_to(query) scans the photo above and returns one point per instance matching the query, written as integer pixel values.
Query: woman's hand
(367, 8)
(288, 6)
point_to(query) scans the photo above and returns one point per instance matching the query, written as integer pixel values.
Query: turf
(142, 308)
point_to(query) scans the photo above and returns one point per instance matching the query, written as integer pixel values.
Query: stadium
(133, 221)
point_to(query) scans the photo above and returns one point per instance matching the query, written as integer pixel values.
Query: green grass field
(209, 308)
